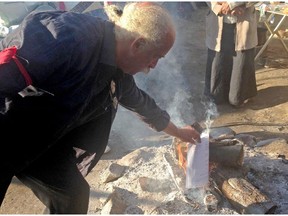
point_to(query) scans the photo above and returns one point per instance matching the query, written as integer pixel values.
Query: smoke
(169, 87)
(180, 109)
(211, 113)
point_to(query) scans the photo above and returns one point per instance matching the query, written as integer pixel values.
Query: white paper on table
(197, 170)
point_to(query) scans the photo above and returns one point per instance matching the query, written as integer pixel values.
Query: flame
(182, 149)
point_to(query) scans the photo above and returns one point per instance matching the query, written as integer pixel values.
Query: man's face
(142, 60)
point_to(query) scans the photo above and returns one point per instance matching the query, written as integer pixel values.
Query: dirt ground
(181, 76)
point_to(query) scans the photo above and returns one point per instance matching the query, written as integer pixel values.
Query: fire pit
(227, 177)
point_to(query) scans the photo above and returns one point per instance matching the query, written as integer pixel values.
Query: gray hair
(113, 12)
(147, 20)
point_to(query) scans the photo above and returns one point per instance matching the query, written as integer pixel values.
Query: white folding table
(273, 30)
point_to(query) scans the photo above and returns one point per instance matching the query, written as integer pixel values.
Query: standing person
(62, 75)
(231, 38)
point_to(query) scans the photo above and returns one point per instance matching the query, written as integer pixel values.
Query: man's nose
(153, 63)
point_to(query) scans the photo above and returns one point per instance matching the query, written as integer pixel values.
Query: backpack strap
(11, 53)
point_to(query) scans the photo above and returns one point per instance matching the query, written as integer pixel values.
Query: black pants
(230, 75)
(58, 177)
(58, 184)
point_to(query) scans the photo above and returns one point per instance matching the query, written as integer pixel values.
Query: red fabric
(62, 6)
(6, 54)
(10, 53)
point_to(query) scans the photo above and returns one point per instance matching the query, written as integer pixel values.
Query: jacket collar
(108, 51)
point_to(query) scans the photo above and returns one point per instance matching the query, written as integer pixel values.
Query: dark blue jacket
(72, 57)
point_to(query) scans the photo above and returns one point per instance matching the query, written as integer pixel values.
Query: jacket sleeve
(215, 7)
(233, 4)
(143, 105)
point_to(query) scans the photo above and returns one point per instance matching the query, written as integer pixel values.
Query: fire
(181, 149)
(181, 154)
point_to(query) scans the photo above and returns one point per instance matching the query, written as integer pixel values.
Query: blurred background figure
(12, 13)
(231, 38)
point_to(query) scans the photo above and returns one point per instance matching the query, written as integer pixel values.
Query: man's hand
(225, 8)
(188, 134)
(185, 134)
(238, 11)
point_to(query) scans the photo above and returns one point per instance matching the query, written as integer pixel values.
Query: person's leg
(57, 178)
(243, 80)
(207, 88)
(57, 182)
(5, 181)
(217, 79)
(90, 140)
(219, 67)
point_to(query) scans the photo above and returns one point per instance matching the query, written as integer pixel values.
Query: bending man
(62, 75)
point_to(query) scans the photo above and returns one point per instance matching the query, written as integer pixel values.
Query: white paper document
(197, 171)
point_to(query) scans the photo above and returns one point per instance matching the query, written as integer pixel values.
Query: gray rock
(246, 139)
(115, 203)
(221, 133)
(113, 172)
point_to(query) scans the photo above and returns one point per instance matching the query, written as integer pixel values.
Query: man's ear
(138, 44)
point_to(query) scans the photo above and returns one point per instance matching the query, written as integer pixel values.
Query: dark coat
(71, 59)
